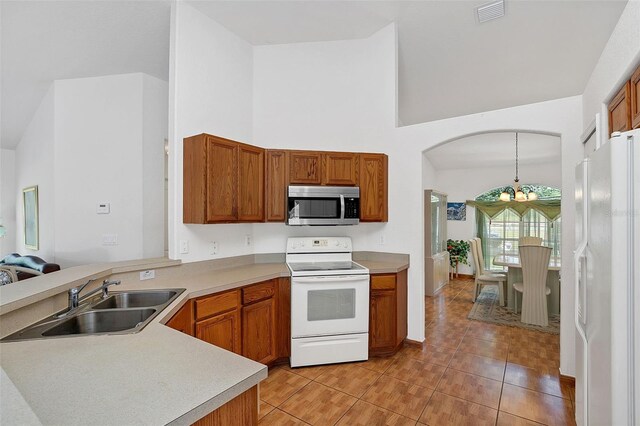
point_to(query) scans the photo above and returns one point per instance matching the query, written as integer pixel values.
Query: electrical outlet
(147, 275)
(383, 240)
(184, 246)
(213, 248)
(247, 240)
(109, 239)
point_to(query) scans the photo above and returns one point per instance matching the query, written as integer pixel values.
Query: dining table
(514, 275)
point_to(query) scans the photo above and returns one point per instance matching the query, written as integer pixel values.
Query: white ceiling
(44, 41)
(495, 150)
(448, 64)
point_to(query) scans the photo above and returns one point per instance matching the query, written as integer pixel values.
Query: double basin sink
(119, 313)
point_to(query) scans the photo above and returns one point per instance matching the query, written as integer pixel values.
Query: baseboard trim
(463, 276)
(410, 342)
(568, 379)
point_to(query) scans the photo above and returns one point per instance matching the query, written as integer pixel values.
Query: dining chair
(482, 278)
(530, 241)
(481, 259)
(535, 265)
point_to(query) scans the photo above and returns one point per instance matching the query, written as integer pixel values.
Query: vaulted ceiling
(496, 149)
(449, 65)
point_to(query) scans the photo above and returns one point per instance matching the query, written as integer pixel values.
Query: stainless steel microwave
(323, 205)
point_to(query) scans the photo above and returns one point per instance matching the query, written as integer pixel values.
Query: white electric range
(329, 302)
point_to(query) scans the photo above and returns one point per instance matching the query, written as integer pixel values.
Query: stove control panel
(319, 245)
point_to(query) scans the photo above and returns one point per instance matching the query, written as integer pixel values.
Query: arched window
(500, 234)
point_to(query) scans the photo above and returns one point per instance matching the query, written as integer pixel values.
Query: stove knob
(301, 243)
(337, 243)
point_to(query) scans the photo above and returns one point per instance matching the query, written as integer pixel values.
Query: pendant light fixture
(518, 194)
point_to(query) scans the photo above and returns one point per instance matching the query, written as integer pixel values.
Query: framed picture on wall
(456, 211)
(30, 208)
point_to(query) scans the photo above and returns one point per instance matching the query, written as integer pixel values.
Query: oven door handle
(339, 278)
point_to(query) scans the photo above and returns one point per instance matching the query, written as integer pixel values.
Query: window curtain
(483, 234)
(548, 208)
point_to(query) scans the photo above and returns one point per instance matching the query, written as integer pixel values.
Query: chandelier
(518, 194)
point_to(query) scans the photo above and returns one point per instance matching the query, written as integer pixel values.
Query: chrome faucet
(74, 293)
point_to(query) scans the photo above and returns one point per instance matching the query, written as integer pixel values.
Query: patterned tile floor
(466, 373)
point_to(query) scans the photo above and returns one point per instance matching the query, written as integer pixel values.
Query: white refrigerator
(607, 261)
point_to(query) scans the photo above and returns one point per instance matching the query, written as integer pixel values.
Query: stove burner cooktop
(347, 266)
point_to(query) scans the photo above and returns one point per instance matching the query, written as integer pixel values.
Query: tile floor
(466, 373)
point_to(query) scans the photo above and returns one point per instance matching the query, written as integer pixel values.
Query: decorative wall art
(30, 204)
(456, 211)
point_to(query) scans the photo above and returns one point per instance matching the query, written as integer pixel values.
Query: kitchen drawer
(216, 304)
(258, 292)
(383, 282)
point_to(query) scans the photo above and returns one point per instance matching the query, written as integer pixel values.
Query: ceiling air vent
(490, 11)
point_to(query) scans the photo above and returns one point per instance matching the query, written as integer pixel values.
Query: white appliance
(329, 302)
(607, 262)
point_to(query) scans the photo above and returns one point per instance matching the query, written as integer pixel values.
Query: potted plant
(458, 251)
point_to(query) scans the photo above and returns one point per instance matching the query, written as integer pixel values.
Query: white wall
(619, 59)
(465, 184)
(155, 110)
(86, 145)
(99, 147)
(211, 91)
(337, 95)
(311, 95)
(326, 95)
(8, 200)
(35, 166)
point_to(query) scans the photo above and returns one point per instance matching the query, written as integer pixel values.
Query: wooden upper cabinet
(223, 181)
(259, 331)
(276, 186)
(250, 183)
(635, 99)
(340, 168)
(222, 330)
(620, 110)
(222, 174)
(373, 187)
(305, 167)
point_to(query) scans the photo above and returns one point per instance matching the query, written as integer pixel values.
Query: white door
(329, 305)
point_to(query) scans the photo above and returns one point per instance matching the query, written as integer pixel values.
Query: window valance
(548, 208)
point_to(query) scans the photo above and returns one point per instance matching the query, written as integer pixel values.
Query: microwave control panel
(352, 208)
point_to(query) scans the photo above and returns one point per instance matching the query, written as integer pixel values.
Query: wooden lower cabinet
(259, 331)
(183, 319)
(240, 411)
(387, 313)
(222, 330)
